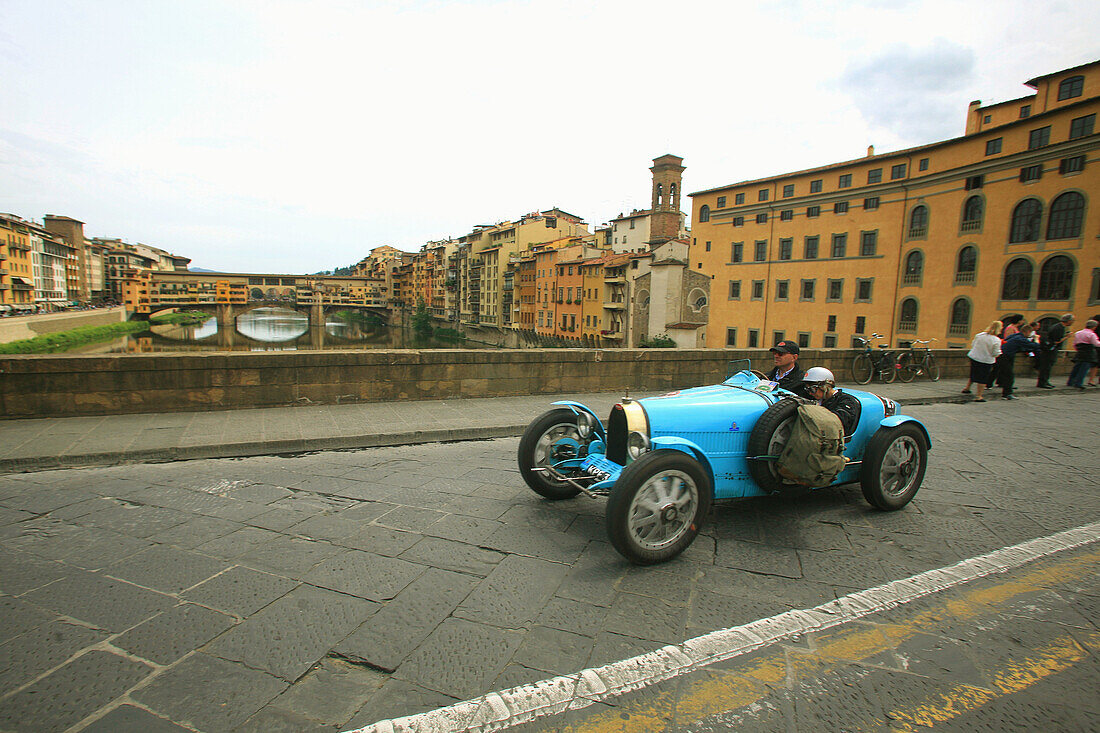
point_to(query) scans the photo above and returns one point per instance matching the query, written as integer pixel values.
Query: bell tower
(664, 220)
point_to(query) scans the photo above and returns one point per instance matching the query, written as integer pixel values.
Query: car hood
(705, 409)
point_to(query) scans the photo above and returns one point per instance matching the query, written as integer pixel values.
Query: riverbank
(60, 341)
(19, 328)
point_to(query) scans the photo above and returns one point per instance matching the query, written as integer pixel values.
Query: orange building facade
(930, 242)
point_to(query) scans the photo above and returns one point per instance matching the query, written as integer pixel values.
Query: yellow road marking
(1050, 659)
(723, 690)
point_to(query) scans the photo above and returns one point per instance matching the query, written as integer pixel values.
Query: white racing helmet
(817, 375)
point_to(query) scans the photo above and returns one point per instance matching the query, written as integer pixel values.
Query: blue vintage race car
(661, 461)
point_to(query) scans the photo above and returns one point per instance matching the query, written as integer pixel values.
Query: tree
(422, 322)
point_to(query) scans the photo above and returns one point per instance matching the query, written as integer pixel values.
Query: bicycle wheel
(888, 369)
(931, 368)
(906, 368)
(862, 369)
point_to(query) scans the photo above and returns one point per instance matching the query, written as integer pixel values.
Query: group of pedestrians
(993, 354)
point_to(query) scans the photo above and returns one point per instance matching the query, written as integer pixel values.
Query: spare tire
(767, 438)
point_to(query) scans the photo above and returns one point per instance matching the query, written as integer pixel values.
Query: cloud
(915, 93)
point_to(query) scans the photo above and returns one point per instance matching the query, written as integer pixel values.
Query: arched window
(1017, 280)
(907, 318)
(1055, 278)
(973, 211)
(1067, 213)
(1071, 87)
(704, 213)
(918, 221)
(1026, 218)
(256, 294)
(914, 268)
(671, 192)
(966, 265)
(660, 191)
(701, 303)
(960, 318)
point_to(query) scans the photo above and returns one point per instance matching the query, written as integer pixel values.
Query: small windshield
(743, 378)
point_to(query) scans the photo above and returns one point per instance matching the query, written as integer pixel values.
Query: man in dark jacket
(1050, 341)
(1014, 344)
(820, 385)
(786, 371)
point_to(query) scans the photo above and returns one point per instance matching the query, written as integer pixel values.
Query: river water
(273, 329)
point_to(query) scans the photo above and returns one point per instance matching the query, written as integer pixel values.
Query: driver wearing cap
(819, 384)
(786, 370)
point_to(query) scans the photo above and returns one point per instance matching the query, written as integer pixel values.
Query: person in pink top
(1085, 343)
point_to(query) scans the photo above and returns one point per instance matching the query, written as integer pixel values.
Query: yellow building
(16, 272)
(931, 242)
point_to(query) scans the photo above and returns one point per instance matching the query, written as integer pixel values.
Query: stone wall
(45, 386)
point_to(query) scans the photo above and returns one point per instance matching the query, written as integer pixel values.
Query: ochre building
(933, 242)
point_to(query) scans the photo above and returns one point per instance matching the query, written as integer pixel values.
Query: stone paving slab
(64, 697)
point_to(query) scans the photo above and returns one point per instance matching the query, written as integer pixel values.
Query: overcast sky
(294, 136)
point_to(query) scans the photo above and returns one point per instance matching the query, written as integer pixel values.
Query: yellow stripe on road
(1057, 656)
(757, 679)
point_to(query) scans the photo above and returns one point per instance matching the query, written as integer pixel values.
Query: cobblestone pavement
(332, 590)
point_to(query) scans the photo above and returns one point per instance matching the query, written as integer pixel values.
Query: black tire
(646, 535)
(906, 369)
(862, 368)
(893, 466)
(767, 438)
(535, 450)
(931, 368)
(888, 370)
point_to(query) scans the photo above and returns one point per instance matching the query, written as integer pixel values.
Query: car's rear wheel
(893, 466)
(658, 506)
(552, 437)
(768, 438)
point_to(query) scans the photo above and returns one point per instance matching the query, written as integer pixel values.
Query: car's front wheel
(552, 437)
(658, 506)
(893, 466)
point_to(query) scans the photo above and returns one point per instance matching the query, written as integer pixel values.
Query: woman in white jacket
(983, 354)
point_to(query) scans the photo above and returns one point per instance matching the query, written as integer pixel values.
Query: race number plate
(600, 467)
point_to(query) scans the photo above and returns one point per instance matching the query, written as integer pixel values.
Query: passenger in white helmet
(820, 385)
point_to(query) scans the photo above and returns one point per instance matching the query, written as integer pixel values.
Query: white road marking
(507, 708)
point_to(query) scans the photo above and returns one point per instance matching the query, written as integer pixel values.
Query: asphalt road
(333, 590)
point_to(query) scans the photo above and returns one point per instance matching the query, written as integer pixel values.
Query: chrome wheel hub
(899, 466)
(663, 509)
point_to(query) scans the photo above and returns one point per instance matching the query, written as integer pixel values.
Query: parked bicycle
(918, 360)
(872, 362)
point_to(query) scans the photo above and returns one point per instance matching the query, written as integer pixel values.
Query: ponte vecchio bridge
(229, 295)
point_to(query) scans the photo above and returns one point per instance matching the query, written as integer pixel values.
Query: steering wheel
(758, 374)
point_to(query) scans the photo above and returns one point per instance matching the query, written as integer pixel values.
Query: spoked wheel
(862, 369)
(907, 370)
(768, 438)
(893, 466)
(931, 368)
(658, 506)
(888, 371)
(552, 437)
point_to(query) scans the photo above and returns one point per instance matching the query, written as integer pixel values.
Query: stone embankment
(54, 386)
